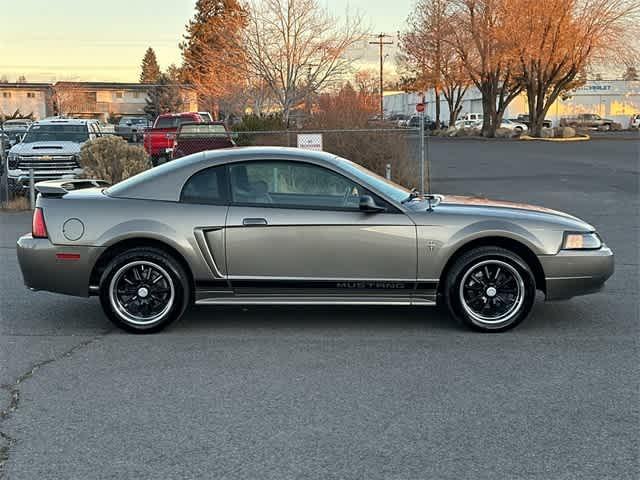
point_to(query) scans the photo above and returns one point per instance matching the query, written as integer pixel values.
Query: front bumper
(44, 266)
(570, 273)
(18, 180)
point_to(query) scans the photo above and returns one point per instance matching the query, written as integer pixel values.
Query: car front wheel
(143, 290)
(490, 289)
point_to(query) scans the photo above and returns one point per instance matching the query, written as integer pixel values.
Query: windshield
(133, 121)
(57, 133)
(173, 122)
(381, 184)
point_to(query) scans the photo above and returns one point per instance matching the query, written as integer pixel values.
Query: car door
(295, 226)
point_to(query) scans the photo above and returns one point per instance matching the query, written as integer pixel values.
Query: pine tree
(163, 97)
(212, 52)
(150, 68)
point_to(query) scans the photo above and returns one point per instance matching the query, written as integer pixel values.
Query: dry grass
(17, 204)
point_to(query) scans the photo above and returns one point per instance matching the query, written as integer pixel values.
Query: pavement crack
(13, 389)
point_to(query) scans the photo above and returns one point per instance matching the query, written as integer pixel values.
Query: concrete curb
(579, 138)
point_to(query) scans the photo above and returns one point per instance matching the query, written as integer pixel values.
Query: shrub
(112, 159)
(259, 123)
(374, 150)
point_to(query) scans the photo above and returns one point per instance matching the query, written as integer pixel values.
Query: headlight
(13, 160)
(581, 241)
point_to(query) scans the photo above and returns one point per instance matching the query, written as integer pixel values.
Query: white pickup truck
(51, 148)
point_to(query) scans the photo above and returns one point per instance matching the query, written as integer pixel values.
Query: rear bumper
(570, 273)
(45, 266)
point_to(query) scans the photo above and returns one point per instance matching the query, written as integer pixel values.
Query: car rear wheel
(143, 290)
(490, 289)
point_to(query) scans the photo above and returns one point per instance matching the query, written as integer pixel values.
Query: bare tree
(429, 58)
(296, 47)
(558, 39)
(483, 40)
(70, 98)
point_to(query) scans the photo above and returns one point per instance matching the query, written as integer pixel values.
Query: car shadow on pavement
(313, 318)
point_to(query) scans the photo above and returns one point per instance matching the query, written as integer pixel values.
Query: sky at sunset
(105, 41)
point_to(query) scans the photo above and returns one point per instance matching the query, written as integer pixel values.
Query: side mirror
(367, 204)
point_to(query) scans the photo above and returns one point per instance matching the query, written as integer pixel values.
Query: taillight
(38, 227)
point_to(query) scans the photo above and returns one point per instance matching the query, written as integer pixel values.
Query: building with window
(26, 98)
(99, 100)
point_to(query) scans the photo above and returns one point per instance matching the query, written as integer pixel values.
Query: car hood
(47, 148)
(484, 207)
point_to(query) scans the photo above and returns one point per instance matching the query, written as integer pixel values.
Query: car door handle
(254, 222)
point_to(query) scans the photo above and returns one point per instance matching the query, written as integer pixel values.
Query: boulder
(564, 132)
(504, 133)
(546, 133)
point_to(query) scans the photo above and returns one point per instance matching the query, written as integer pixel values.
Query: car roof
(63, 121)
(165, 181)
(169, 115)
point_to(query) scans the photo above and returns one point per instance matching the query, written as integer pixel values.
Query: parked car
(524, 118)
(200, 137)
(468, 124)
(132, 128)
(16, 128)
(515, 126)
(51, 148)
(398, 118)
(472, 117)
(635, 121)
(271, 225)
(429, 124)
(587, 120)
(158, 140)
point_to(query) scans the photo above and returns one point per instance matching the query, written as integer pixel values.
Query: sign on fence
(310, 141)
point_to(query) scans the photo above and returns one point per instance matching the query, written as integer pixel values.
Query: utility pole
(380, 42)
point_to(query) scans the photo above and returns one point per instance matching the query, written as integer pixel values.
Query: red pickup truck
(200, 137)
(159, 139)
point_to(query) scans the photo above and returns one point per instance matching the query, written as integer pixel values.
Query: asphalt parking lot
(279, 393)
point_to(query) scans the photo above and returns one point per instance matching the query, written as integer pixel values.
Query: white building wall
(27, 101)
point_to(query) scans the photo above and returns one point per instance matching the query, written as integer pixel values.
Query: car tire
(490, 289)
(143, 290)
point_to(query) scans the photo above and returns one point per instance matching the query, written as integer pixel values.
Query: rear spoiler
(59, 188)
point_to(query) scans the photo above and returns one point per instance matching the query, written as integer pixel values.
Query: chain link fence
(390, 152)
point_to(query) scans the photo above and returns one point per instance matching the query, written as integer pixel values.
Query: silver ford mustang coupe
(267, 225)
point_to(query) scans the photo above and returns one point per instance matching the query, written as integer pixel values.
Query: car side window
(208, 186)
(292, 185)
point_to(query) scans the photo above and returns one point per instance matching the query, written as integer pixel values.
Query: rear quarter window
(208, 186)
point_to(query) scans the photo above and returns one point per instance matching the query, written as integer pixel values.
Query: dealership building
(613, 99)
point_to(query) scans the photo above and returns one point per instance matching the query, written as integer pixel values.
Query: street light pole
(380, 42)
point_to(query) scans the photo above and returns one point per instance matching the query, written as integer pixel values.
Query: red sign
(420, 107)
